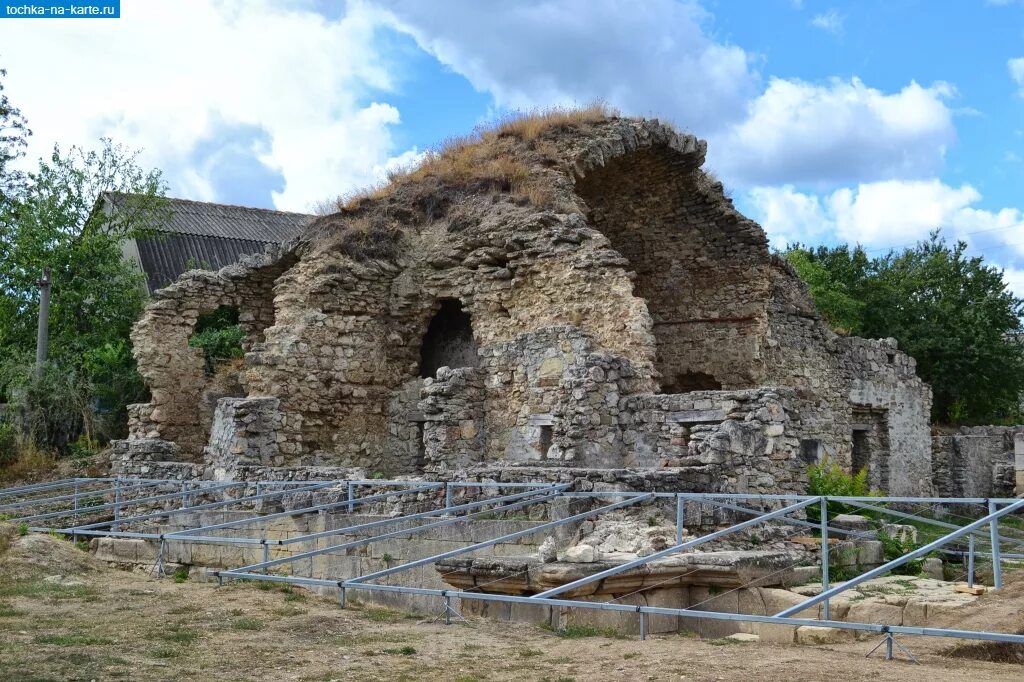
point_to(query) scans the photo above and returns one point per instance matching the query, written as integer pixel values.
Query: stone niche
(620, 315)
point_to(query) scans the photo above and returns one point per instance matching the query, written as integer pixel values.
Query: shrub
(219, 335)
(894, 547)
(829, 479)
(8, 442)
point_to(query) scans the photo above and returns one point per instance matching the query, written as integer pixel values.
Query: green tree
(950, 312)
(14, 133)
(96, 294)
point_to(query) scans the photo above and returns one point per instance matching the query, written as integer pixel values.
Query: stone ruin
(581, 301)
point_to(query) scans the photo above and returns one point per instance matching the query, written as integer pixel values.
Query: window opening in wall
(692, 381)
(219, 335)
(546, 435)
(861, 450)
(449, 340)
(810, 451)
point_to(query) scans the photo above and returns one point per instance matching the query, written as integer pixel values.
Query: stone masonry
(625, 318)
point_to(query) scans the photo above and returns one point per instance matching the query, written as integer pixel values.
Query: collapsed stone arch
(697, 263)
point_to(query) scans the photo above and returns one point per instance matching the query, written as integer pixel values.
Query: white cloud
(653, 58)
(887, 214)
(657, 58)
(1016, 67)
(830, 21)
(840, 132)
(168, 75)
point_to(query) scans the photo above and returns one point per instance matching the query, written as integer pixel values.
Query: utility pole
(43, 335)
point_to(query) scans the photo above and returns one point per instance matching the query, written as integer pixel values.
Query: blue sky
(870, 122)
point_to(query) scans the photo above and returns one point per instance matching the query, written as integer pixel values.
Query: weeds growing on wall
(219, 335)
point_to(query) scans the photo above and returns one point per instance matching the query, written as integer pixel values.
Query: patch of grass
(28, 461)
(631, 655)
(529, 653)
(164, 652)
(7, 610)
(578, 631)
(22, 529)
(289, 611)
(382, 615)
(179, 634)
(724, 641)
(404, 651)
(76, 639)
(79, 658)
(37, 588)
(251, 624)
(181, 574)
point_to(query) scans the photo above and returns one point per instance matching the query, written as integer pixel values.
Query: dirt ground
(63, 616)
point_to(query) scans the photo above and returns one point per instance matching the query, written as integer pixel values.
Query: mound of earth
(995, 611)
(36, 554)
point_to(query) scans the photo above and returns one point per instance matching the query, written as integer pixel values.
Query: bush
(8, 442)
(894, 547)
(829, 479)
(219, 335)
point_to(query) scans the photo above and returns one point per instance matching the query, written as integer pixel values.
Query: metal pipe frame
(547, 494)
(990, 519)
(120, 504)
(924, 519)
(202, 507)
(629, 565)
(539, 493)
(131, 484)
(496, 541)
(304, 510)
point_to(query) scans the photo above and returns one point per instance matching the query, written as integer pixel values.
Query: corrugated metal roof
(225, 221)
(165, 257)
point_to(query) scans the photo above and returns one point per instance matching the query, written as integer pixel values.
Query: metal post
(266, 553)
(159, 568)
(184, 489)
(341, 597)
(43, 331)
(76, 503)
(117, 504)
(448, 495)
(447, 610)
(186, 499)
(643, 626)
(888, 646)
(824, 555)
(680, 510)
(970, 560)
(997, 568)
(351, 497)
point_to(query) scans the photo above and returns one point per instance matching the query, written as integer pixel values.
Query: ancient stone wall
(632, 319)
(699, 266)
(979, 461)
(183, 394)
(883, 379)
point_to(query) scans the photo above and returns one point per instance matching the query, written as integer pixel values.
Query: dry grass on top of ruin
(490, 157)
(508, 156)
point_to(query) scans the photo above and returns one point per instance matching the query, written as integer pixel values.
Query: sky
(870, 122)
